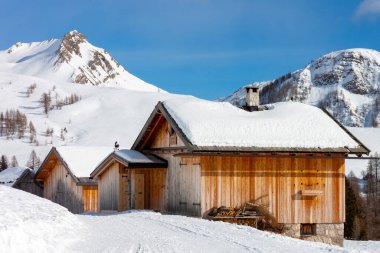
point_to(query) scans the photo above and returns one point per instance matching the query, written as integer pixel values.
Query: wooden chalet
(289, 159)
(128, 179)
(65, 176)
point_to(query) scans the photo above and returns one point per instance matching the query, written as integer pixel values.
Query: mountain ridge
(345, 82)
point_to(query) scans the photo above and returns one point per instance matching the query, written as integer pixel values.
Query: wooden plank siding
(183, 185)
(117, 188)
(154, 183)
(276, 183)
(108, 187)
(27, 183)
(61, 188)
(162, 136)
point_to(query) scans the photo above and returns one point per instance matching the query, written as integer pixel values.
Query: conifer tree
(14, 162)
(45, 101)
(3, 163)
(34, 161)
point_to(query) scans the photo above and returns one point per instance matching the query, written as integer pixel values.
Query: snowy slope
(69, 59)
(345, 82)
(102, 116)
(32, 224)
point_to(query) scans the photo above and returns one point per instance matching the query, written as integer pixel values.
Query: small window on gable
(308, 229)
(172, 136)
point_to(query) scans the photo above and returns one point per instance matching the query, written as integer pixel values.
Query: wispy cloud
(368, 8)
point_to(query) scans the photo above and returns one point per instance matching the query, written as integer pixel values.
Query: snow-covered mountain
(109, 104)
(346, 83)
(91, 99)
(69, 59)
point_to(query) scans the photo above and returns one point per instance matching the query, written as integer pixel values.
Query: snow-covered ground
(32, 224)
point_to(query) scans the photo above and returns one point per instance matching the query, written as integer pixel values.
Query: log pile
(255, 215)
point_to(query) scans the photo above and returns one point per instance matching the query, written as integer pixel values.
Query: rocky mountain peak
(346, 83)
(71, 58)
(70, 46)
(355, 69)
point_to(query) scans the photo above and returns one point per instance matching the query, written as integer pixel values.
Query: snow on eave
(144, 162)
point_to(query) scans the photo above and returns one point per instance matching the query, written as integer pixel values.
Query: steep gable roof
(285, 127)
(11, 176)
(78, 161)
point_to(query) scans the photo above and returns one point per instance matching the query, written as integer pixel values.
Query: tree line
(46, 101)
(363, 203)
(13, 123)
(32, 163)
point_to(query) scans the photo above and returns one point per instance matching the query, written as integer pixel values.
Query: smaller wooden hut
(65, 176)
(128, 179)
(21, 178)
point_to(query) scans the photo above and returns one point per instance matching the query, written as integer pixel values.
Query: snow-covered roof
(83, 160)
(133, 156)
(284, 125)
(132, 159)
(9, 176)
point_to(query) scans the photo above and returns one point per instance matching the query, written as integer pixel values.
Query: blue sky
(207, 48)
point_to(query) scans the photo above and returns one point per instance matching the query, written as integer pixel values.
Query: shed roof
(131, 159)
(286, 126)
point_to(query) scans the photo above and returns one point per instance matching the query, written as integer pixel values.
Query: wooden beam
(275, 155)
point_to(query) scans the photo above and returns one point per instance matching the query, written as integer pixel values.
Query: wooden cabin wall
(108, 187)
(183, 185)
(164, 137)
(153, 190)
(124, 189)
(276, 182)
(61, 188)
(28, 184)
(90, 198)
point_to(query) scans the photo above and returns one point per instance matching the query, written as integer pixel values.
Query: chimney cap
(254, 87)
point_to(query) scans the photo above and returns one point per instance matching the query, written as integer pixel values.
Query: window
(308, 229)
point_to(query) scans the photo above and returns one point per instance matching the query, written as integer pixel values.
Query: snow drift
(32, 224)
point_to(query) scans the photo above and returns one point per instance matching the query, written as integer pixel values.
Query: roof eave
(362, 149)
(342, 150)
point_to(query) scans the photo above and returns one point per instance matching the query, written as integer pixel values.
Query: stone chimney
(252, 99)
